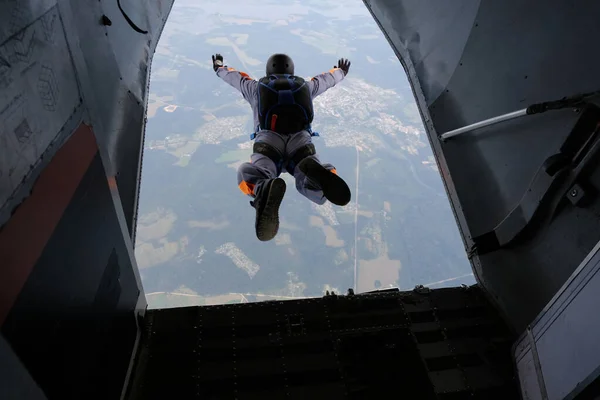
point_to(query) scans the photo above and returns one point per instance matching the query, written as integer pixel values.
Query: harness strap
(309, 130)
(274, 155)
(267, 150)
(301, 154)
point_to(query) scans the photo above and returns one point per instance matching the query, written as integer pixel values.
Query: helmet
(280, 64)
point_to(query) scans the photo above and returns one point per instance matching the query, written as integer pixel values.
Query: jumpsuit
(251, 176)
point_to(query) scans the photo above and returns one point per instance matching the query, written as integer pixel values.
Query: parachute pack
(284, 105)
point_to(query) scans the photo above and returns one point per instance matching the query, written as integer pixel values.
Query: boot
(267, 204)
(334, 188)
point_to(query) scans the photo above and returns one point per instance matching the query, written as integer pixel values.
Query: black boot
(334, 188)
(267, 204)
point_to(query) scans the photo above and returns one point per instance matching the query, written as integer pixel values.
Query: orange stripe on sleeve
(332, 70)
(245, 75)
(247, 188)
(334, 171)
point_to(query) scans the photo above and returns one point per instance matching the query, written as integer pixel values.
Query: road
(356, 219)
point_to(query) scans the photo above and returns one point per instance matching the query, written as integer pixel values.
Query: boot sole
(334, 188)
(267, 223)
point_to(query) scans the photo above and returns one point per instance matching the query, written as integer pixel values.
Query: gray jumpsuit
(252, 175)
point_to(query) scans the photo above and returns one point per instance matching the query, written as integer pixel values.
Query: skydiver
(283, 111)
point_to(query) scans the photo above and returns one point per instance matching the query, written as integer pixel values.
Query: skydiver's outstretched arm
(321, 83)
(239, 80)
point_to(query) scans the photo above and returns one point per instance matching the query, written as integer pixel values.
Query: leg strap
(269, 151)
(301, 154)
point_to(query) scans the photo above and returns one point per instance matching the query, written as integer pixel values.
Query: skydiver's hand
(344, 65)
(217, 61)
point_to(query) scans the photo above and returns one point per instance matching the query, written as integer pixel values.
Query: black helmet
(280, 64)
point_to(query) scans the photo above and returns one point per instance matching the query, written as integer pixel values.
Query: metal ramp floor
(441, 344)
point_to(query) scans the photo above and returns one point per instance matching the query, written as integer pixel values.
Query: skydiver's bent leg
(260, 179)
(308, 187)
(251, 176)
(317, 182)
(267, 204)
(325, 176)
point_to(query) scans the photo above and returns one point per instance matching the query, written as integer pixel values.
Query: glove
(344, 65)
(217, 61)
